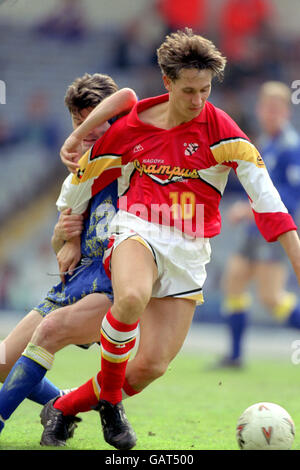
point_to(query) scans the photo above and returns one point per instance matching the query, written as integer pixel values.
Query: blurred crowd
(39, 60)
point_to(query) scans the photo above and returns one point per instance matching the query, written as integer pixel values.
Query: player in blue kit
(88, 276)
(66, 315)
(256, 260)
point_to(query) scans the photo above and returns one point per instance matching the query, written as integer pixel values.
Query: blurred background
(44, 46)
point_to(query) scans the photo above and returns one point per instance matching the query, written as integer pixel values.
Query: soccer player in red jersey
(69, 306)
(172, 155)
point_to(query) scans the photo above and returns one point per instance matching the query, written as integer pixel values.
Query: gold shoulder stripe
(237, 149)
(94, 168)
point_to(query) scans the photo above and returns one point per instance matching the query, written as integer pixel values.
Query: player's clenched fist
(68, 257)
(68, 226)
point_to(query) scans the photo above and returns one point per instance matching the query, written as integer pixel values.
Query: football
(265, 426)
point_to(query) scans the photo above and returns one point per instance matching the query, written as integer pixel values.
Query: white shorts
(180, 259)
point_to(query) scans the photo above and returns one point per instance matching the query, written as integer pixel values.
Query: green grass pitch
(189, 408)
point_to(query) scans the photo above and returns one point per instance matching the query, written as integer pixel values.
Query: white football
(265, 426)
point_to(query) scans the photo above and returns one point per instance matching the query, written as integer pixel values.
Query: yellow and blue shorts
(88, 277)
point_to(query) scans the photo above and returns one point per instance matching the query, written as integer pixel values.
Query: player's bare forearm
(291, 244)
(115, 104)
(56, 243)
(68, 226)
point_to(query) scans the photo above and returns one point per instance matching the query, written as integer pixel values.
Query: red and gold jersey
(177, 176)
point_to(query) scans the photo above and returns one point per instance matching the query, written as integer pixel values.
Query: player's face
(272, 112)
(94, 135)
(188, 94)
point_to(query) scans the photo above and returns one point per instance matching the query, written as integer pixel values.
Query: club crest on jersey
(190, 148)
(138, 148)
(80, 173)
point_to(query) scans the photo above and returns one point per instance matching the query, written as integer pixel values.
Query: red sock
(117, 340)
(128, 390)
(87, 396)
(79, 400)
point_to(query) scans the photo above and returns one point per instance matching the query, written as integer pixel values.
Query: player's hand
(68, 257)
(68, 225)
(71, 153)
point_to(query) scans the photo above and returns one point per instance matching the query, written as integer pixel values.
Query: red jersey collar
(133, 119)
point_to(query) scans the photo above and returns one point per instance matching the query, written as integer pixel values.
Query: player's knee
(235, 278)
(131, 301)
(8, 357)
(268, 300)
(48, 332)
(4, 371)
(152, 369)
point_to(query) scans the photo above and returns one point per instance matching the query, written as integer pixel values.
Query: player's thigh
(270, 279)
(163, 329)
(133, 274)
(79, 323)
(237, 275)
(85, 317)
(15, 343)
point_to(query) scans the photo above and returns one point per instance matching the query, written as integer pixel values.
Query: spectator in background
(7, 277)
(7, 134)
(67, 21)
(37, 127)
(137, 43)
(246, 35)
(40, 128)
(35, 137)
(177, 14)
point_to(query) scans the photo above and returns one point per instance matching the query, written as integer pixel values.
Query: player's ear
(167, 82)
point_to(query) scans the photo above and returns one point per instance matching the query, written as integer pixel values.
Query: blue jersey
(89, 276)
(102, 208)
(281, 155)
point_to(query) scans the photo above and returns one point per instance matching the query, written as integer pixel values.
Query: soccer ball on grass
(265, 426)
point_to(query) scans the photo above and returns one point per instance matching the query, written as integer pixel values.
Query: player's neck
(174, 119)
(161, 116)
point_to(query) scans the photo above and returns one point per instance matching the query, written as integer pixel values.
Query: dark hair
(88, 91)
(184, 49)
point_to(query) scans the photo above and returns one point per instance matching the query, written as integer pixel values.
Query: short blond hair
(184, 49)
(275, 89)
